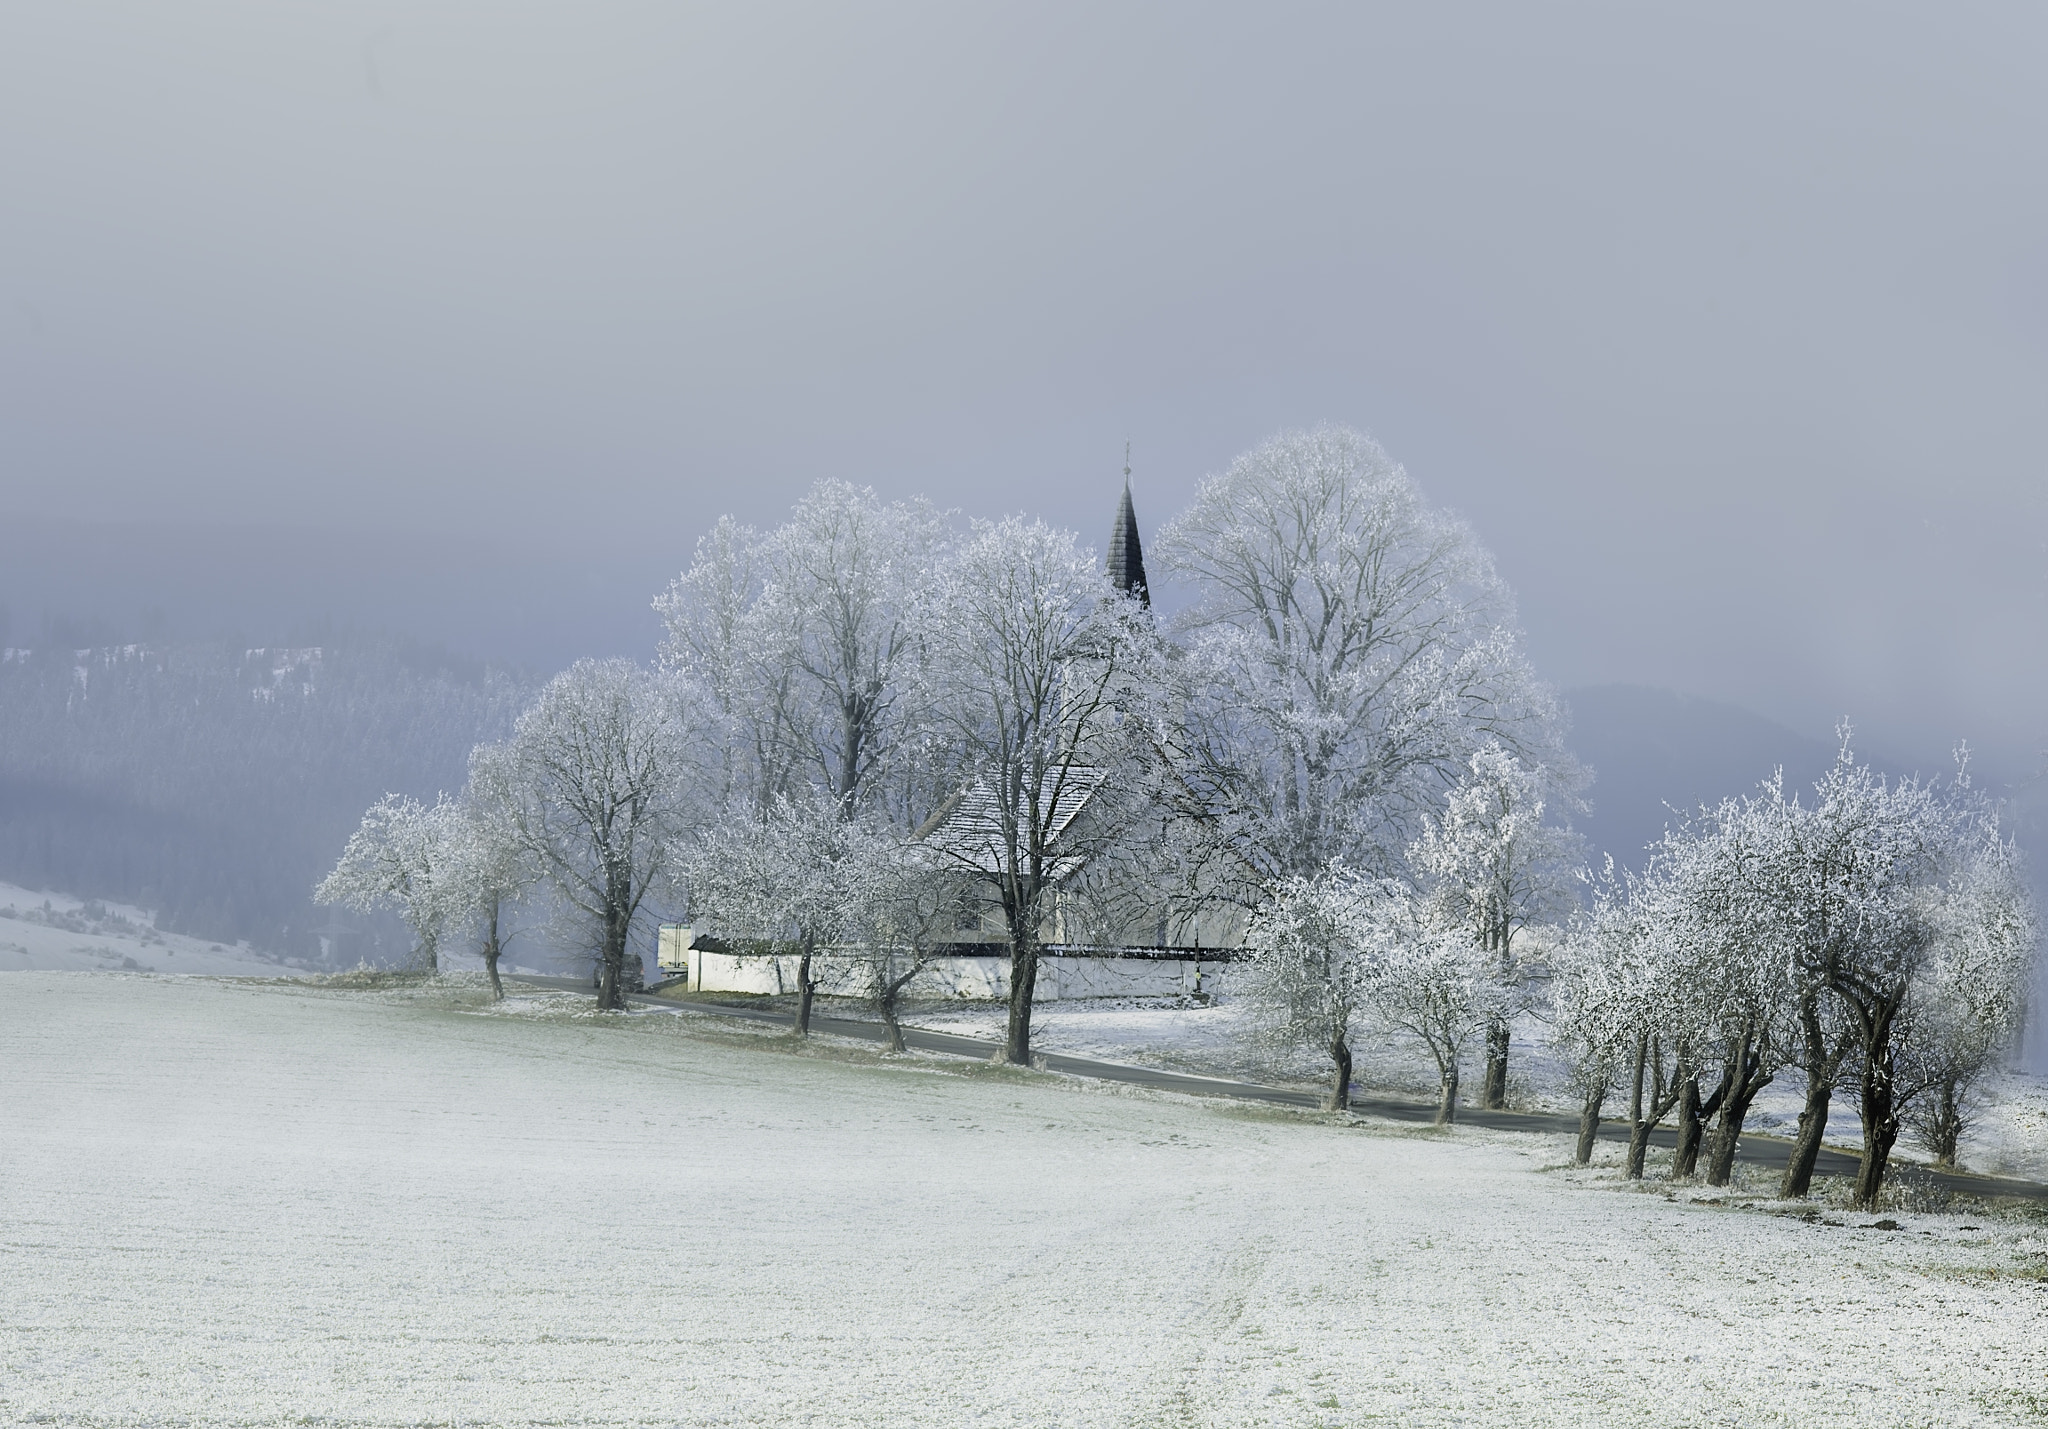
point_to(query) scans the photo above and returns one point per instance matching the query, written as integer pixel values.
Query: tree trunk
(1945, 1128)
(805, 986)
(1821, 1065)
(1740, 1083)
(1494, 1092)
(1686, 1158)
(1647, 1111)
(1880, 1111)
(1813, 1125)
(1023, 983)
(889, 989)
(1447, 1093)
(1638, 1125)
(491, 951)
(1589, 1124)
(1340, 1078)
(612, 969)
(1728, 1132)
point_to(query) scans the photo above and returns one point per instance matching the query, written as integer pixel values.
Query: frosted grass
(233, 1204)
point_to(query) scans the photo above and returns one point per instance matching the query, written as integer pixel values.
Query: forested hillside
(215, 784)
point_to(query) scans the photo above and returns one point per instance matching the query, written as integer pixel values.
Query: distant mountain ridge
(1654, 751)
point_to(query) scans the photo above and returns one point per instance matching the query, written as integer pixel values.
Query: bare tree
(791, 876)
(1430, 979)
(1499, 865)
(1033, 655)
(1969, 998)
(489, 868)
(1351, 649)
(602, 777)
(1307, 962)
(400, 859)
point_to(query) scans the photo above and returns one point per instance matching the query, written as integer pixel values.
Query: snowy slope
(55, 932)
(233, 1203)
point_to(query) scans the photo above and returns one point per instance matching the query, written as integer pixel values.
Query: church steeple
(1126, 552)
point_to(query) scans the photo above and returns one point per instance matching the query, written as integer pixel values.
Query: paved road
(1756, 1150)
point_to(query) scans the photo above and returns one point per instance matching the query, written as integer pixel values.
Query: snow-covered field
(2011, 1137)
(256, 1203)
(53, 931)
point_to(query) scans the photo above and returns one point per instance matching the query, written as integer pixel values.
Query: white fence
(1061, 975)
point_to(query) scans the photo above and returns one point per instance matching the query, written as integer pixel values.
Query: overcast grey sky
(1727, 328)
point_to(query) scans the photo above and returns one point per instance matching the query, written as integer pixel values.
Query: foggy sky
(1728, 330)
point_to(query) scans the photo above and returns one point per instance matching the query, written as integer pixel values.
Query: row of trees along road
(870, 728)
(1876, 937)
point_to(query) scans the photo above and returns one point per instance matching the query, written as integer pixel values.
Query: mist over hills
(1657, 754)
(215, 785)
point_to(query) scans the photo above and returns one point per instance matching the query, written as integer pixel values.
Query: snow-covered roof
(970, 827)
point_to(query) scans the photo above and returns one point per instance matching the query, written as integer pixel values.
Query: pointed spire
(1126, 552)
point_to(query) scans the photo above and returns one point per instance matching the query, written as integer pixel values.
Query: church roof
(1126, 552)
(969, 827)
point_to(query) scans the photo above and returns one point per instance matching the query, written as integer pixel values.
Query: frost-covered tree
(792, 874)
(488, 868)
(715, 641)
(1498, 864)
(1322, 951)
(1873, 887)
(1852, 883)
(1033, 655)
(1623, 1005)
(909, 904)
(1351, 648)
(604, 777)
(808, 639)
(400, 859)
(1430, 979)
(848, 581)
(1307, 961)
(1590, 1026)
(1970, 997)
(1728, 961)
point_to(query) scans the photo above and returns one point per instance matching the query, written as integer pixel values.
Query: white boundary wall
(962, 976)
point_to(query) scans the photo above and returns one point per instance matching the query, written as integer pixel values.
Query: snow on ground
(238, 1203)
(47, 932)
(1218, 1039)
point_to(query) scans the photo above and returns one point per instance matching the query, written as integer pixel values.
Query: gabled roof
(969, 827)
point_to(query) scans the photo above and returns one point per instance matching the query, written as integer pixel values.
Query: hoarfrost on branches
(1308, 963)
(1351, 649)
(1497, 865)
(808, 639)
(791, 873)
(1033, 655)
(400, 860)
(488, 868)
(603, 775)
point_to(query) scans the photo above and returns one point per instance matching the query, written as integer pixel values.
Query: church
(1111, 928)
